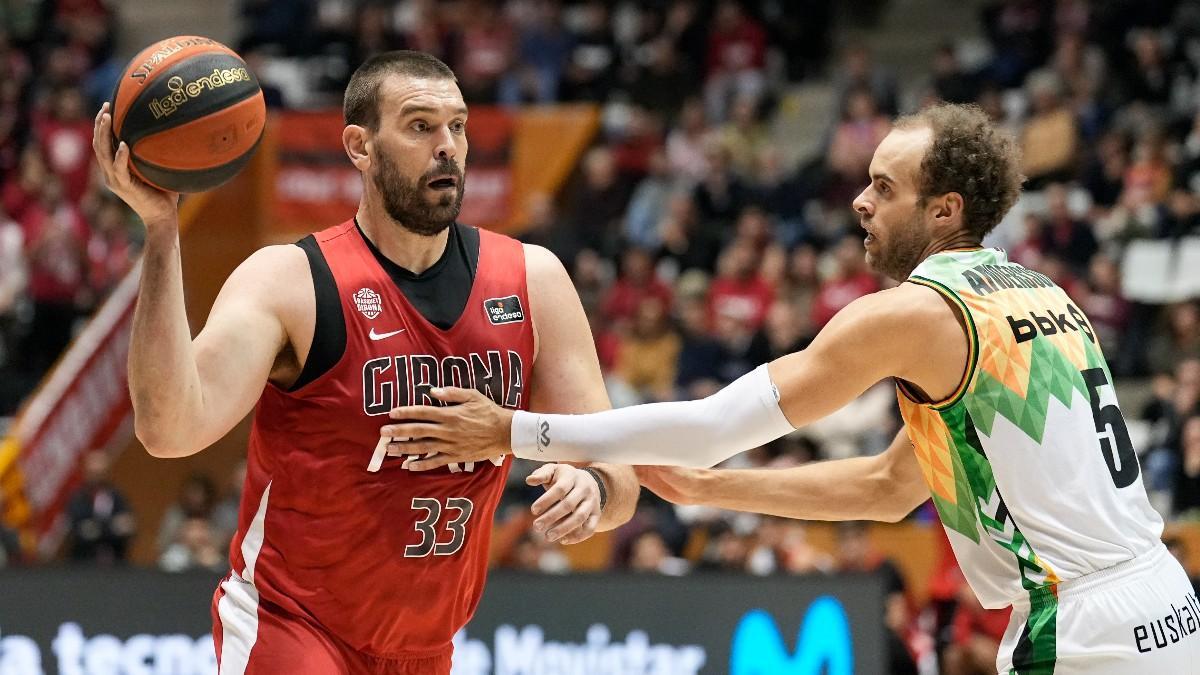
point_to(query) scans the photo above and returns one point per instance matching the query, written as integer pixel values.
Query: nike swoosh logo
(383, 336)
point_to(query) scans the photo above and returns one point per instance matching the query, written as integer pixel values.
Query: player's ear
(948, 209)
(357, 145)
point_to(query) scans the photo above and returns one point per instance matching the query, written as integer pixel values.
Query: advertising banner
(316, 186)
(137, 622)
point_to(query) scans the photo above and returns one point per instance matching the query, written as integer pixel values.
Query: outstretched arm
(885, 487)
(892, 333)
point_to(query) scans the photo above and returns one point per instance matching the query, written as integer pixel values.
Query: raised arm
(188, 394)
(885, 487)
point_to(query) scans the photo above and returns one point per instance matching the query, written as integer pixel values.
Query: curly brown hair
(971, 156)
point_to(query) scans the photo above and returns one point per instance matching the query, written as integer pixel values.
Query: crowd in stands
(699, 249)
(64, 240)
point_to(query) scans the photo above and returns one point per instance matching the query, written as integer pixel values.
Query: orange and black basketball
(190, 111)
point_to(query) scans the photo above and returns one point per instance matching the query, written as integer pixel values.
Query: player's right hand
(675, 484)
(155, 207)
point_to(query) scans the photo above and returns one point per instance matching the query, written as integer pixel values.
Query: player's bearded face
(897, 247)
(422, 205)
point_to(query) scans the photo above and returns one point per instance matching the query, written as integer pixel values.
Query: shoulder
(906, 306)
(275, 278)
(543, 267)
(900, 325)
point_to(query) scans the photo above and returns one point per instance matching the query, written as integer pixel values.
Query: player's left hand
(470, 429)
(569, 511)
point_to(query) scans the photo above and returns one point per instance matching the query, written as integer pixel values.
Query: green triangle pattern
(1051, 373)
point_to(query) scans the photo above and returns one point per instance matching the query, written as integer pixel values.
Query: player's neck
(414, 252)
(953, 242)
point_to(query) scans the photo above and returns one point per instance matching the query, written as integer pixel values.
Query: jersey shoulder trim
(972, 347)
(329, 329)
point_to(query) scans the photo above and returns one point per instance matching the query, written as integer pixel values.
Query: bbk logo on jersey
(504, 310)
(368, 302)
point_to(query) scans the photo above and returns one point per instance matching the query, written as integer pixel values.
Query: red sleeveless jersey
(391, 562)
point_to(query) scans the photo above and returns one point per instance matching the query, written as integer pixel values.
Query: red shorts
(255, 637)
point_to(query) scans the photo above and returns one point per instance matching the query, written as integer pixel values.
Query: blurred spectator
(1050, 137)
(637, 282)
(650, 554)
(14, 280)
(194, 547)
(1070, 237)
(22, 193)
(1178, 547)
(664, 82)
(786, 330)
(950, 81)
(597, 205)
(976, 635)
(485, 49)
(1104, 175)
(698, 371)
(685, 143)
(543, 46)
(648, 352)
(101, 524)
(533, 553)
(197, 499)
(649, 203)
(855, 553)
(1186, 502)
(110, 252)
(721, 194)
(1147, 77)
(1148, 179)
(683, 245)
(1028, 249)
(854, 141)
(594, 59)
(55, 242)
(1106, 309)
(738, 292)
(744, 137)
(1180, 340)
(737, 53)
(858, 71)
(544, 227)
(66, 141)
(225, 512)
(850, 280)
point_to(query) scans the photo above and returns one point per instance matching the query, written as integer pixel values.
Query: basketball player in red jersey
(345, 561)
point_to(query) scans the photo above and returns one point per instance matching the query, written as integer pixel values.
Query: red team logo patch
(368, 302)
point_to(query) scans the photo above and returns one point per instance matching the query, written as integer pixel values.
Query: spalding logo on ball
(191, 113)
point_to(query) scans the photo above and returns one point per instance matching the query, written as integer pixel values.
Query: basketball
(191, 113)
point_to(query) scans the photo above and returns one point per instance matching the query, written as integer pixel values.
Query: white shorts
(1140, 616)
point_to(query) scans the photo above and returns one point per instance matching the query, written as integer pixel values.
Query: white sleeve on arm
(700, 433)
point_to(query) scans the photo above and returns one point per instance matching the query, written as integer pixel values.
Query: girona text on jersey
(406, 379)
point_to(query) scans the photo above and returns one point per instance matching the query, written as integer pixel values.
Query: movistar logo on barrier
(823, 647)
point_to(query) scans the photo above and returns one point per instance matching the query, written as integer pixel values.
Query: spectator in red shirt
(66, 140)
(110, 252)
(637, 281)
(737, 51)
(55, 240)
(23, 192)
(851, 280)
(739, 291)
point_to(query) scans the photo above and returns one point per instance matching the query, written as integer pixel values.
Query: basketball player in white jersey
(1011, 421)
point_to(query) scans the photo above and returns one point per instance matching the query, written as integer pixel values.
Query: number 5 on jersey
(427, 526)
